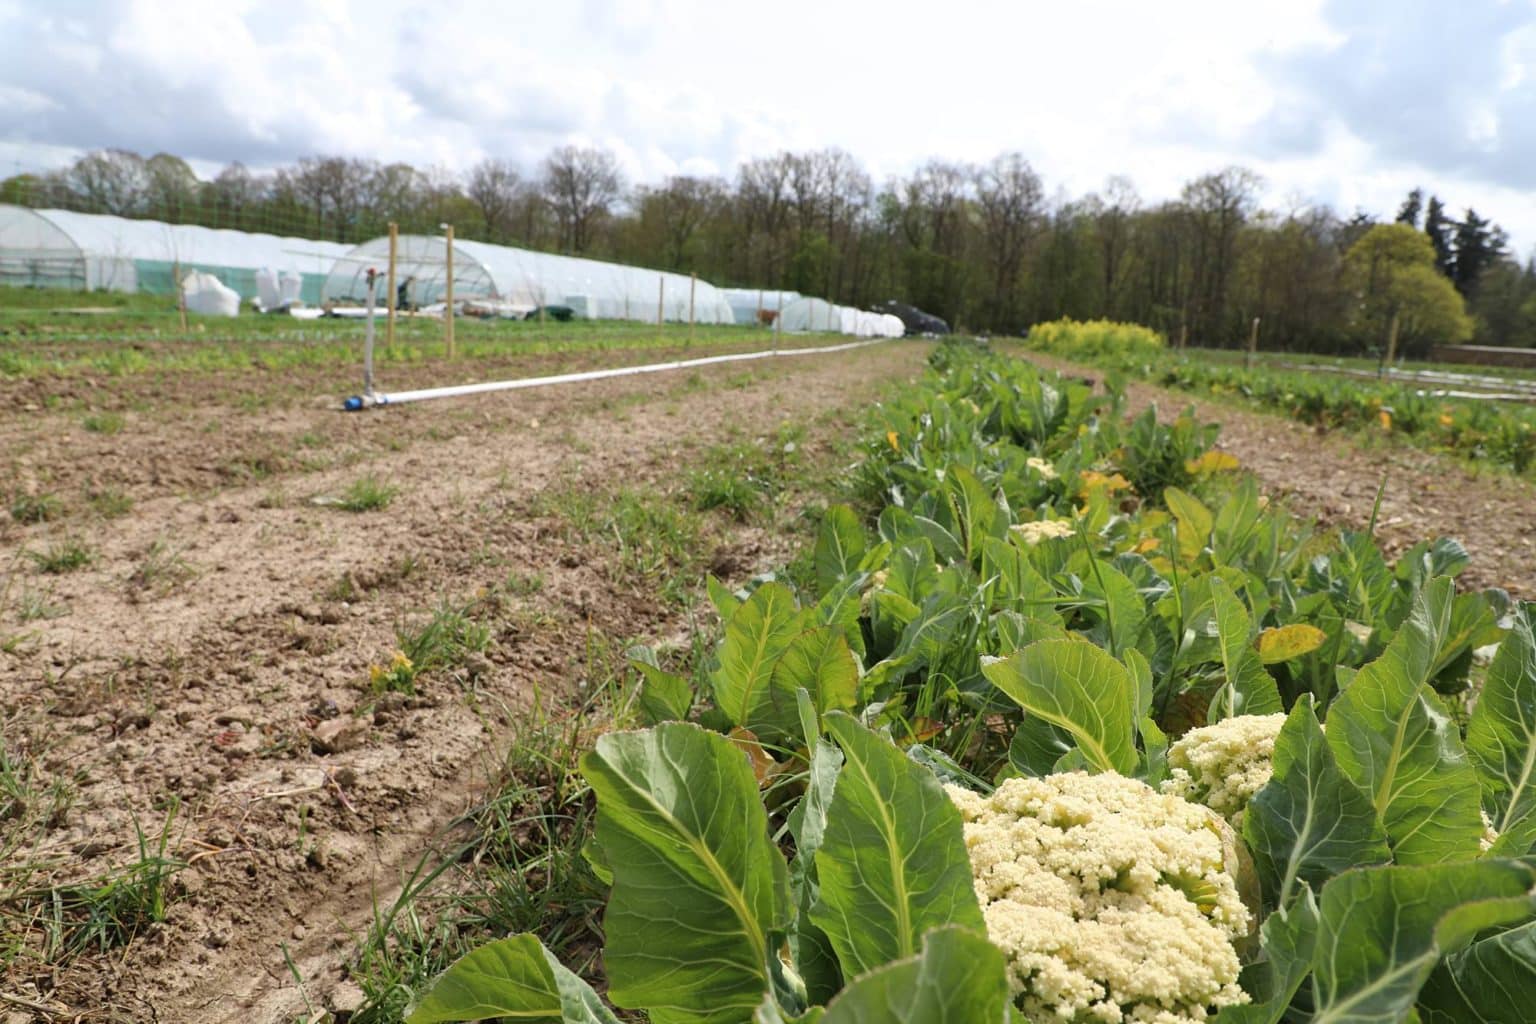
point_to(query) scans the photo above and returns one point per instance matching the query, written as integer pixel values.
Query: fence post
(661, 298)
(1391, 353)
(389, 326)
(448, 310)
(1253, 345)
(693, 287)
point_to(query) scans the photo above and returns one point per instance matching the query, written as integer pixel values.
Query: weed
(162, 570)
(102, 913)
(447, 638)
(521, 584)
(34, 605)
(103, 423)
(110, 503)
(36, 508)
(367, 494)
(65, 555)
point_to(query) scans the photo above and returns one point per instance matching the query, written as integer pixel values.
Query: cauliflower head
(1043, 529)
(1223, 765)
(1111, 902)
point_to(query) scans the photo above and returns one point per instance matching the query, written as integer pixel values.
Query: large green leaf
(1501, 737)
(1309, 822)
(1079, 689)
(974, 508)
(819, 662)
(1249, 689)
(840, 543)
(1016, 585)
(1394, 739)
(699, 890)
(664, 696)
(958, 978)
(1492, 981)
(514, 978)
(1382, 931)
(893, 861)
(813, 954)
(756, 635)
(1290, 939)
(1194, 520)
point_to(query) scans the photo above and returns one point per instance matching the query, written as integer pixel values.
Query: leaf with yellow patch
(1212, 461)
(1282, 643)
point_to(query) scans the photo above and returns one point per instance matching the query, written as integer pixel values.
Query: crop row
(1062, 720)
(1491, 432)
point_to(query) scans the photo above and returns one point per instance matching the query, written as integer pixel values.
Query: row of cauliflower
(218, 271)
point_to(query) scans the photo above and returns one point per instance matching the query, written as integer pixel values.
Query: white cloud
(1348, 100)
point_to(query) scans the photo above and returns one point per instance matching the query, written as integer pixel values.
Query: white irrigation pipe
(369, 398)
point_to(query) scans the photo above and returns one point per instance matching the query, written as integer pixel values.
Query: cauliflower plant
(1111, 902)
(1043, 529)
(1223, 765)
(1044, 468)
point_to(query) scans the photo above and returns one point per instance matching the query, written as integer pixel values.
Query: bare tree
(110, 181)
(1010, 198)
(495, 186)
(582, 186)
(677, 210)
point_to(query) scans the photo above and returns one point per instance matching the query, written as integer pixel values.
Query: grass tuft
(367, 494)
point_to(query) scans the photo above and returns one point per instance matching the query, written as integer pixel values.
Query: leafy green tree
(1391, 275)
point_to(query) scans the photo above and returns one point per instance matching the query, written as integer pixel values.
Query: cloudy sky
(1349, 102)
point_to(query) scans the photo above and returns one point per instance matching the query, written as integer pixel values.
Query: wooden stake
(1183, 336)
(448, 312)
(1253, 345)
(1391, 346)
(693, 287)
(389, 325)
(661, 298)
(181, 295)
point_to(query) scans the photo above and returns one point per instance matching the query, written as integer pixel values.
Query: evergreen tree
(1477, 246)
(1409, 212)
(1438, 227)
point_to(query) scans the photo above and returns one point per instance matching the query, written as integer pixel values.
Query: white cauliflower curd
(1045, 469)
(1223, 765)
(1042, 529)
(1111, 902)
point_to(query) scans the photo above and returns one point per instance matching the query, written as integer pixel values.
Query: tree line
(978, 244)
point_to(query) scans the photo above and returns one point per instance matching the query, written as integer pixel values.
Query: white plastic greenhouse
(524, 280)
(808, 314)
(745, 302)
(63, 249)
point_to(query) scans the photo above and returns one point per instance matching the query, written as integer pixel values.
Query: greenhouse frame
(523, 281)
(97, 252)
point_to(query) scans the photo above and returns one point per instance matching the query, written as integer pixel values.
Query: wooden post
(693, 287)
(394, 245)
(181, 294)
(778, 321)
(448, 310)
(1253, 345)
(1183, 335)
(1391, 354)
(661, 298)
(759, 306)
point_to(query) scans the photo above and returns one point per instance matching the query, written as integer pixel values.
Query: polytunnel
(746, 302)
(525, 280)
(810, 314)
(98, 252)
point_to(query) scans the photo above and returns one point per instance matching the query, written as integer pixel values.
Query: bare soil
(225, 626)
(1334, 478)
